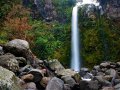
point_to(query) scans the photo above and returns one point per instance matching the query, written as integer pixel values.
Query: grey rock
(118, 64)
(55, 84)
(108, 88)
(20, 48)
(8, 80)
(117, 87)
(1, 50)
(116, 81)
(93, 85)
(96, 67)
(105, 65)
(30, 86)
(71, 73)
(102, 81)
(55, 65)
(100, 74)
(111, 72)
(68, 80)
(67, 87)
(9, 61)
(22, 61)
(18, 43)
(26, 68)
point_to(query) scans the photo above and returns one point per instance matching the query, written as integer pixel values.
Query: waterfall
(75, 62)
(75, 44)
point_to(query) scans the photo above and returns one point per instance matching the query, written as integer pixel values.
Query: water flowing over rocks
(22, 73)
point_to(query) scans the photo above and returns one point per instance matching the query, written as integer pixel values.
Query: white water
(75, 44)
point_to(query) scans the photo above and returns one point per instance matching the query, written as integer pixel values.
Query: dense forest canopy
(46, 25)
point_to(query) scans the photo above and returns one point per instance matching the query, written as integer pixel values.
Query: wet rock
(68, 80)
(83, 71)
(111, 72)
(8, 80)
(55, 84)
(87, 76)
(9, 61)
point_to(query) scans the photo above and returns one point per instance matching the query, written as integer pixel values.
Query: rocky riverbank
(22, 70)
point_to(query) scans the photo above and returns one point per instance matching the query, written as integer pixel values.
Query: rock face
(49, 10)
(8, 80)
(111, 8)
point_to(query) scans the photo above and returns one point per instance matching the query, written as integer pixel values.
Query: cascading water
(75, 62)
(75, 48)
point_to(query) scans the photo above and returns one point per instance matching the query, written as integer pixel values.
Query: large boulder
(20, 48)
(9, 61)
(8, 80)
(55, 84)
(18, 43)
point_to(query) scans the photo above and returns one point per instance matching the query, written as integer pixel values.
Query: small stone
(27, 78)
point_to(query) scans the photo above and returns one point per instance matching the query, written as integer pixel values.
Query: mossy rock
(8, 80)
